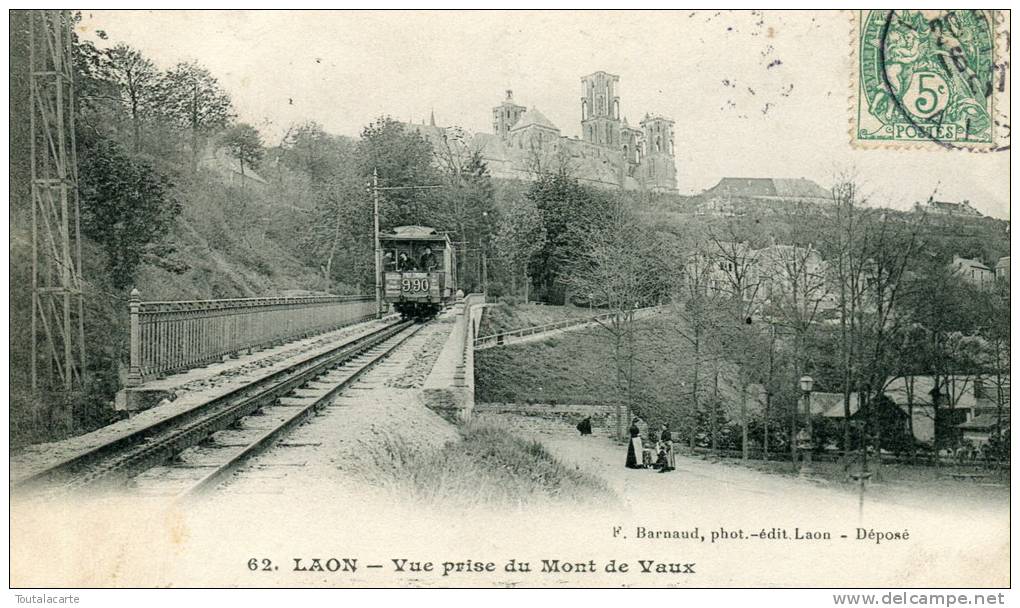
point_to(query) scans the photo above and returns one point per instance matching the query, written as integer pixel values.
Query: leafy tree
(244, 143)
(137, 77)
(467, 201)
(401, 158)
(519, 236)
(191, 100)
(126, 206)
(339, 236)
(309, 149)
(564, 204)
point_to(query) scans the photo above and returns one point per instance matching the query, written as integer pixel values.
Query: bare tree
(794, 286)
(468, 199)
(739, 285)
(694, 307)
(617, 268)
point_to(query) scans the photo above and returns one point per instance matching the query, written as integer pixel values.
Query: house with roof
(793, 273)
(963, 398)
(219, 161)
(731, 194)
(832, 405)
(1002, 270)
(962, 208)
(769, 188)
(980, 429)
(973, 271)
(976, 405)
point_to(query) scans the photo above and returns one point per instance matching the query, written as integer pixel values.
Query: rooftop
(969, 262)
(535, 118)
(767, 187)
(416, 233)
(985, 421)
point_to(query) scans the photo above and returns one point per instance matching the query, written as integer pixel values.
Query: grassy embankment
(487, 467)
(502, 317)
(578, 367)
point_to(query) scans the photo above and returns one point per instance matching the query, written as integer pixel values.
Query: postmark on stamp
(929, 78)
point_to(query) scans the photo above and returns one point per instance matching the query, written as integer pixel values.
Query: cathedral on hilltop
(610, 152)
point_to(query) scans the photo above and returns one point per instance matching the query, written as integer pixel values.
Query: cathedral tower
(600, 109)
(505, 116)
(658, 160)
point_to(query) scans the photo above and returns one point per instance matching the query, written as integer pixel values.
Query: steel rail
(163, 439)
(268, 438)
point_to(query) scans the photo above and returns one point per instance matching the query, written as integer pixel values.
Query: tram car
(419, 268)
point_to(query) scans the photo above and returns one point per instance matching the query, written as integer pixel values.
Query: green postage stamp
(931, 78)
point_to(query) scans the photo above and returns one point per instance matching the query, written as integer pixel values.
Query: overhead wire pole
(376, 188)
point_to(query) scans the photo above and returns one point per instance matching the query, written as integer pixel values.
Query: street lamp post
(806, 384)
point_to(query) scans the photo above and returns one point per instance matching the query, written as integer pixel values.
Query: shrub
(487, 466)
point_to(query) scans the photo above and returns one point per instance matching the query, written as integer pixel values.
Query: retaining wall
(449, 388)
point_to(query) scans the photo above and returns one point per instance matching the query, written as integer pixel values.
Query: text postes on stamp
(927, 78)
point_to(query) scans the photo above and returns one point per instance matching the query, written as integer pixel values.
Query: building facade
(963, 208)
(610, 152)
(973, 271)
(1002, 270)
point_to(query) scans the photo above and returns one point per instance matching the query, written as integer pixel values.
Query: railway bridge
(212, 383)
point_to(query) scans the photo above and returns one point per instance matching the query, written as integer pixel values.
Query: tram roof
(414, 233)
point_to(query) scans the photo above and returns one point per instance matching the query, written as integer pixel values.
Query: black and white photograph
(689, 299)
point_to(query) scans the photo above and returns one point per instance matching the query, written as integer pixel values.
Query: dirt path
(963, 539)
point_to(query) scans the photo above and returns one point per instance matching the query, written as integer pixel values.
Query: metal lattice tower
(57, 305)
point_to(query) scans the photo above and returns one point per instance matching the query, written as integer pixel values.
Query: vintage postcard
(660, 299)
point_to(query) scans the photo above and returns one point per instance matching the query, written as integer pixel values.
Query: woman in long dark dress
(635, 453)
(666, 440)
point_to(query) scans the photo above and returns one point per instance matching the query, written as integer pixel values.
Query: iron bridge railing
(505, 336)
(168, 337)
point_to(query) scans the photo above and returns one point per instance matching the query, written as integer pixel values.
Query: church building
(610, 152)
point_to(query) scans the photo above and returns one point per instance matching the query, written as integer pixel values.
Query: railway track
(208, 442)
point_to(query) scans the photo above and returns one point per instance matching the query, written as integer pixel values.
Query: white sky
(345, 69)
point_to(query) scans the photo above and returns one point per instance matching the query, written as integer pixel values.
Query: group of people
(661, 458)
(426, 262)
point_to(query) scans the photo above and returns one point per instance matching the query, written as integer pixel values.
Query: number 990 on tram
(419, 271)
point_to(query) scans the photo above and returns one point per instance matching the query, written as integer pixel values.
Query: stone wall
(449, 389)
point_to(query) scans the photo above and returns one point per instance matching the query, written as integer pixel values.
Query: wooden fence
(169, 337)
